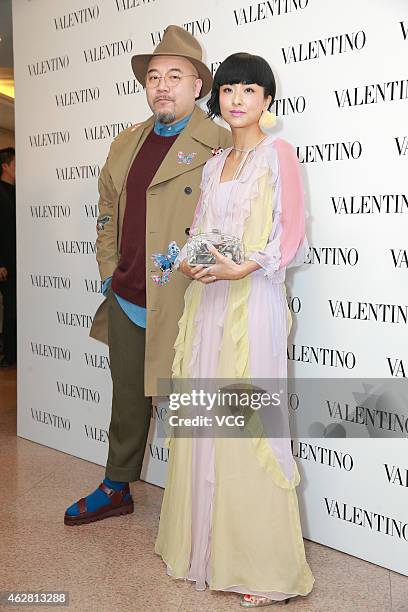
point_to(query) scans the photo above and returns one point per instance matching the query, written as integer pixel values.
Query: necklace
(251, 148)
(245, 158)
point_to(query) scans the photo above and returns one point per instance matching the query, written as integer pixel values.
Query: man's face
(174, 97)
(9, 171)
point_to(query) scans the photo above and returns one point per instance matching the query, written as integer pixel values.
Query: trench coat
(171, 199)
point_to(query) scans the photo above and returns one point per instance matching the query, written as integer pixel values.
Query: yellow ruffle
(187, 331)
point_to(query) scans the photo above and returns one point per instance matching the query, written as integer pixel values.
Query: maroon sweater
(129, 278)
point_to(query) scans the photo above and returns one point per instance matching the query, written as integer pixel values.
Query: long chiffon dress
(230, 516)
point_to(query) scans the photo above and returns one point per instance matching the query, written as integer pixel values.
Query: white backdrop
(342, 101)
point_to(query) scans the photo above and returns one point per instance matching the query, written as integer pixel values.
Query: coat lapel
(125, 152)
(198, 135)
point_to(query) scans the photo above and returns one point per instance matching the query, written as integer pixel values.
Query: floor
(110, 566)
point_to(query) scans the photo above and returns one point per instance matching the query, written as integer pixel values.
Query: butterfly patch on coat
(185, 158)
(165, 262)
(102, 221)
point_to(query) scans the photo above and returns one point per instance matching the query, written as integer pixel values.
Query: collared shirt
(161, 129)
(137, 314)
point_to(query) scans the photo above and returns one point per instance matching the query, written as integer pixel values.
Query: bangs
(243, 68)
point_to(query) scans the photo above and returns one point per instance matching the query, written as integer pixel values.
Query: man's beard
(165, 117)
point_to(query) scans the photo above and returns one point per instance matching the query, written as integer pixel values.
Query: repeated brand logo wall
(370, 204)
(129, 87)
(372, 94)
(331, 151)
(49, 138)
(399, 258)
(45, 281)
(79, 17)
(53, 420)
(332, 45)
(52, 352)
(402, 144)
(76, 247)
(327, 88)
(91, 211)
(95, 360)
(335, 256)
(196, 28)
(50, 211)
(294, 303)
(77, 96)
(108, 50)
(160, 453)
(325, 456)
(74, 319)
(289, 106)
(266, 10)
(73, 173)
(397, 368)
(96, 433)
(93, 285)
(373, 419)
(107, 130)
(78, 392)
(396, 475)
(52, 64)
(320, 355)
(368, 519)
(126, 5)
(367, 311)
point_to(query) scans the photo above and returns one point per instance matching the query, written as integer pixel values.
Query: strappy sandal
(116, 506)
(255, 601)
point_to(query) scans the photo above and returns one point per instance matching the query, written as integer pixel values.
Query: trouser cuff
(119, 474)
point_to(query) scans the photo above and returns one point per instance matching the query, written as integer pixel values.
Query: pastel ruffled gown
(230, 516)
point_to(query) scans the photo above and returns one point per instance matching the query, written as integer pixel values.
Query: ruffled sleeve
(287, 244)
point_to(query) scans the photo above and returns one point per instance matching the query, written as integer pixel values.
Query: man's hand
(3, 274)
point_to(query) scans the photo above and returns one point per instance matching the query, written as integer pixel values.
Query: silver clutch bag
(229, 246)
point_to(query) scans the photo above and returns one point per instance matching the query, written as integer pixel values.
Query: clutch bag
(229, 246)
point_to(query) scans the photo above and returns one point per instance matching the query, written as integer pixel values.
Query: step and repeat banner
(342, 101)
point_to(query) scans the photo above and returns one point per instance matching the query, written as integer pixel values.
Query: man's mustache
(163, 98)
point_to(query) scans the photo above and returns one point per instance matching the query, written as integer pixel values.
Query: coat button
(188, 190)
(187, 231)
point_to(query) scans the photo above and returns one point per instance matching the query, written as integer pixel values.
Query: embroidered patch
(185, 158)
(102, 221)
(217, 151)
(165, 261)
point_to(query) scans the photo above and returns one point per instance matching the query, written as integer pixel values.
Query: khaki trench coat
(171, 199)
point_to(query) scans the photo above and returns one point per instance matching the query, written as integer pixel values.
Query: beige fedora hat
(175, 41)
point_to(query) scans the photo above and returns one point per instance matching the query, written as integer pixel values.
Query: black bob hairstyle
(241, 68)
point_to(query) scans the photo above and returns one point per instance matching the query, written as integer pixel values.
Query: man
(148, 188)
(8, 254)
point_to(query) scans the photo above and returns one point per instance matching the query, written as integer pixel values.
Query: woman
(230, 515)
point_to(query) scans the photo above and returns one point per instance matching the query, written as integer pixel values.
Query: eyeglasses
(171, 79)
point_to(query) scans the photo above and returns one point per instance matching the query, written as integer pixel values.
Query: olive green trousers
(131, 410)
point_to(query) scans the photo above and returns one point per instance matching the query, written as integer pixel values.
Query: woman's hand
(186, 269)
(223, 269)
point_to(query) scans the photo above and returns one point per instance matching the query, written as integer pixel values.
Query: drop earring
(267, 120)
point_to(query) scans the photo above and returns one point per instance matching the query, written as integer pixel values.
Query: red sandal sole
(72, 521)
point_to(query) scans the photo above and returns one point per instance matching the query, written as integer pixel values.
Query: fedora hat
(175, 41)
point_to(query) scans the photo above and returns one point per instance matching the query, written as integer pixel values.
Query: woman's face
(241, 105)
